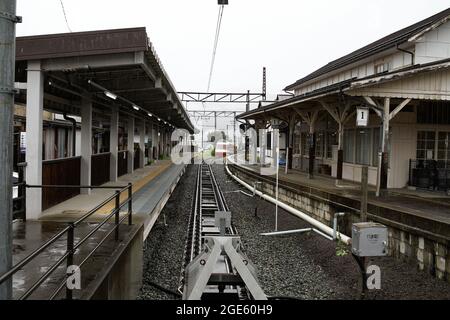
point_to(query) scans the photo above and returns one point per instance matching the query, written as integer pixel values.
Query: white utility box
(369, 239)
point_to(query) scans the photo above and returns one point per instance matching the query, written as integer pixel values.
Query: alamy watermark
(232, 145)
(73, 281)
(373, 273)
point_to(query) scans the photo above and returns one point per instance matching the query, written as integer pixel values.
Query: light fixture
(159, 119)
(150, 115)
(110, 95)
(135, 107)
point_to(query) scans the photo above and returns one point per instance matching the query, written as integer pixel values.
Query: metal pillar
(34, 129)
(154, 142)
(86, 144)
(142, 144)
(130, 144)
(114, 144)
(7, 68)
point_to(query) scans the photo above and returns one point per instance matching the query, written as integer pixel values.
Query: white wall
(434, 45)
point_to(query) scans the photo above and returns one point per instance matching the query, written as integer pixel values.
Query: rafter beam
(399, 108)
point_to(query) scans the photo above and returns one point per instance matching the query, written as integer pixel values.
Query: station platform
(79, 205)
(421, 203)
(152, 187)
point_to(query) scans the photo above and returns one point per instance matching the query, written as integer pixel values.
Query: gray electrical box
(369, 239)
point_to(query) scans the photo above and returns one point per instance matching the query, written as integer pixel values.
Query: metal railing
(429, 174)
(71, 246)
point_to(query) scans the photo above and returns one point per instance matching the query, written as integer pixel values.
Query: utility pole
(8, 19)
(234, 137)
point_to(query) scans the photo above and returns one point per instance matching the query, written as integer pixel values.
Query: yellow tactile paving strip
(136, 187)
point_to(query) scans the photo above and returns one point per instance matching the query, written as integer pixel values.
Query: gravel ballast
(164, 247)
(303, 266)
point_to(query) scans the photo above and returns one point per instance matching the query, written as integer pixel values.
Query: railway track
(224, 281)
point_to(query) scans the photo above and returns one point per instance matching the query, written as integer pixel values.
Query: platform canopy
(83, 65)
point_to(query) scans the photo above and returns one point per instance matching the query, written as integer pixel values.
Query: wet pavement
(30, 235)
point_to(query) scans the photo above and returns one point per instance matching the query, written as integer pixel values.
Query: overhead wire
(216, 43)
(65, 15)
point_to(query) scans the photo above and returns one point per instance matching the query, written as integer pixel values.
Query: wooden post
(312, 152)
(384, 165)
(290, 148)
(364, 192)
(340, 155)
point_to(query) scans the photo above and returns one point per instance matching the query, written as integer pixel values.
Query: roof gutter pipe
(408, 52)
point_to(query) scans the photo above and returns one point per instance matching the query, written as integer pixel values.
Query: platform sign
(362, 116)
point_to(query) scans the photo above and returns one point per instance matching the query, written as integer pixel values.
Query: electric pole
(8, 19)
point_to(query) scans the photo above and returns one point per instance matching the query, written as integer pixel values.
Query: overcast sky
(290, 37)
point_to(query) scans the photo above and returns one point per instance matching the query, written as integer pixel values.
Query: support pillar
(86, 144)
(290, 148)
(275, 147)
(114, 143)
(154, 142)
(246, 149)
(384, 164)
(142, 144)
(34, 128)
(340, 155)
(253, 147)
(130, 144)
(191, 142)
(262, 146)
(312, 152)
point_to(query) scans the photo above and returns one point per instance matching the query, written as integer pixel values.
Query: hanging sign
(362, 117)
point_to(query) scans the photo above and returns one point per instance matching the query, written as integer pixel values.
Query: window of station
(443, 152)
(382, 67)
(331, 141)
(297, 142)
(349, 145)
(320, 144)
(305, 149)
(361, 146)
(426, 144)
(432, 145)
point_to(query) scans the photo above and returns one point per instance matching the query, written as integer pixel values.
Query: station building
(91, 107)
(403, 80)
